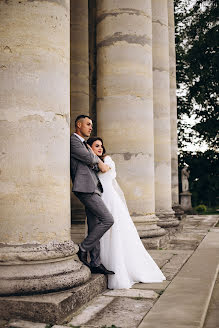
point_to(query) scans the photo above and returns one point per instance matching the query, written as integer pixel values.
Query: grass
(210, 211)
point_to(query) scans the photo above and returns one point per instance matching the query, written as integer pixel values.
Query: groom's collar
(77, 135)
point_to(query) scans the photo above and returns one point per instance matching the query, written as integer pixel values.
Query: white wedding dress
(121, 249)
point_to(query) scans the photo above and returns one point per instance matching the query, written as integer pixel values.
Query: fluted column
(173, 105)
(79, 59)
(125, 102)
(36, 253)
(79, 81)
(162, 128)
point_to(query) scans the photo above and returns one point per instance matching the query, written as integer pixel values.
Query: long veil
(119, 192)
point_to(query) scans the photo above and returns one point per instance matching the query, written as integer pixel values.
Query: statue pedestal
(185, 201)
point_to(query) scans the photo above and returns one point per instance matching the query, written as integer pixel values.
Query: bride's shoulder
(108, 159)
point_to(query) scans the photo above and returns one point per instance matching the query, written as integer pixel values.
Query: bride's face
(97, 147)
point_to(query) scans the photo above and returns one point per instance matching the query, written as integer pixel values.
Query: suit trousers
(99, 220)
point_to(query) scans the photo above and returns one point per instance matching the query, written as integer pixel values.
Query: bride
(121, 249)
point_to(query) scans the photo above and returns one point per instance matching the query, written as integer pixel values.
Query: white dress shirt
(81, 138)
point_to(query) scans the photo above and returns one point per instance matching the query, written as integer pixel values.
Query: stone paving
(128, 308)
(212, 318)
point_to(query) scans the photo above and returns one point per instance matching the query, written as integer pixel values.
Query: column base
(147, 226)
(167, 219)
(53, 308)
(179, 213)
(39, 268)
(186, 202)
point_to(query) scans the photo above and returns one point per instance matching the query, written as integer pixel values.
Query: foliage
(201, 208)
(197, 63)
(204, 173)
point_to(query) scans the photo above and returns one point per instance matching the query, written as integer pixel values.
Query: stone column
(79, 59)
(173, 112)
(79, 68)
(162, 129)
(36, 253)
(125, 103)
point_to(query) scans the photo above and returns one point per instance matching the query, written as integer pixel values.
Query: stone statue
(185, 176)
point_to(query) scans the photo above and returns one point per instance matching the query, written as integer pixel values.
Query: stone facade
(114, 60)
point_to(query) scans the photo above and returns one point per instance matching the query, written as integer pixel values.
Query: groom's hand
(103, 167)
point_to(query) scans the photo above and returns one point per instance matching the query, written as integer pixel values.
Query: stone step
(52, 308)
(185, 301)
(212, 317)
(123, 308)
(26, 324)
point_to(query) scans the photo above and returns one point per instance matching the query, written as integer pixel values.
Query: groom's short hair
(79, 117)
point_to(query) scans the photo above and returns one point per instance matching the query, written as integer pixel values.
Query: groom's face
(86, 127)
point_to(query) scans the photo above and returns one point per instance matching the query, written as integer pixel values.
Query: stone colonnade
(162, 113)
(125, 103)
(36, 252)
(136, 118)
(136, 105)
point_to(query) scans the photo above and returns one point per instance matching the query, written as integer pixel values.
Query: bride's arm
(103, 167)
(110, 163)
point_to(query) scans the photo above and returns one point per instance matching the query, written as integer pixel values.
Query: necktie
(84, 142)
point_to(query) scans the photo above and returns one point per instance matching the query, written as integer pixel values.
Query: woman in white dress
(121, 249)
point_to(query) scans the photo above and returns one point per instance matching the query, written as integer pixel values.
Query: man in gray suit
(87, 187)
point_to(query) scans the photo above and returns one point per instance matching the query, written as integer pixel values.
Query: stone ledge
(192, 286)
(52, 308)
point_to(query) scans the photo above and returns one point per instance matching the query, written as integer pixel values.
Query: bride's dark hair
(90, 142)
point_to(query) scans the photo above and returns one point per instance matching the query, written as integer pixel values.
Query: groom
(87, 187)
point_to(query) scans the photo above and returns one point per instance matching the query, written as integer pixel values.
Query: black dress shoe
(83, 257)
(101, 269)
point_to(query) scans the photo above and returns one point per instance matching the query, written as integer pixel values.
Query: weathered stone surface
(122, 312)
(35, 122)
(52, 307)
(25, 324)
(212, 317)
(187, 240)
(3, 323)
(161, 104)
(79, 83)
(95, 306)
(161, 257)
(31, 278)
(133, 293)
(173, 266)
(173, 107)
(125, 102)
(36, 254)
(189, 293)
(157, 287)
(79, 59)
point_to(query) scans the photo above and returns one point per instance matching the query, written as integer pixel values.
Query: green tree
(197, 60)
(197, 68)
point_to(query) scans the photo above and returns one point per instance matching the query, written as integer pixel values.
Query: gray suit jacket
(83, 167)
